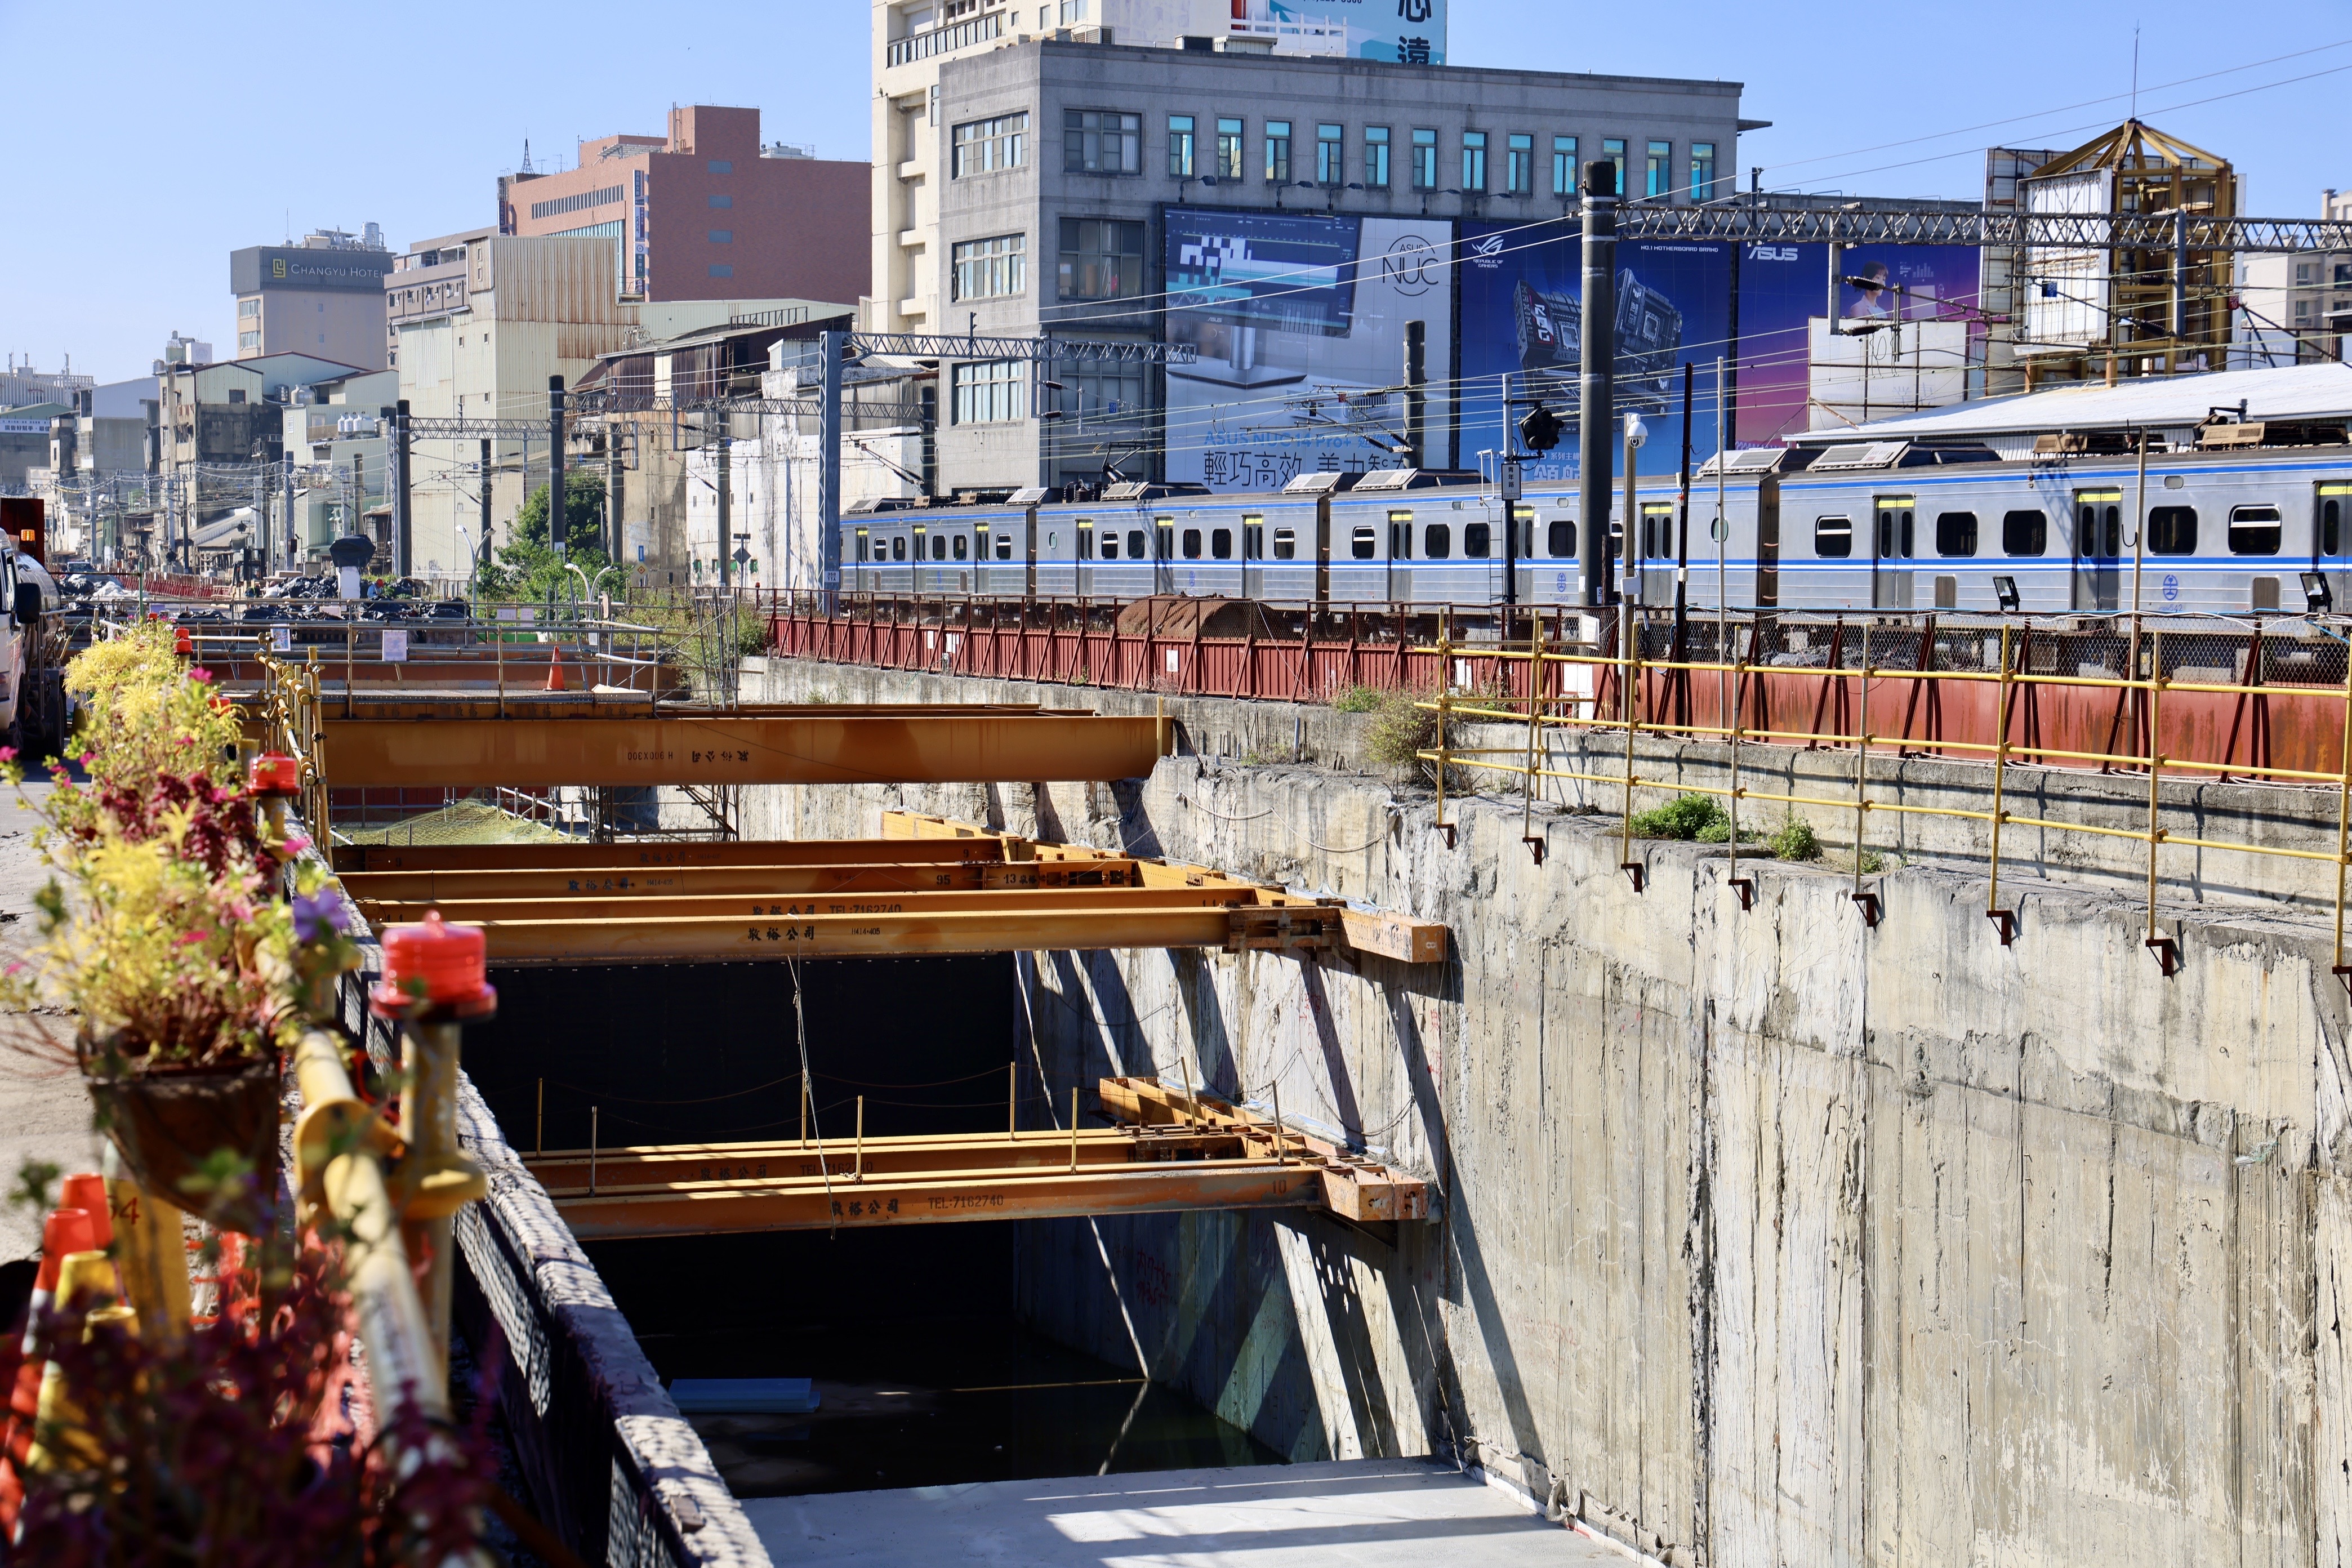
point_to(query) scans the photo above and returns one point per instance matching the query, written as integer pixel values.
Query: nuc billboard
(1406, 32)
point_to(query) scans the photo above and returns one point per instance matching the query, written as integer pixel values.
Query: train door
(864, 544)
(2098, 550)
(1322, 549)
(1768, 542)
(1400, 554)
(1163, 555)
(1657, 580)
(1084, 572)
(1891, 543)
(2331, 522)
(1029, 553)
(1518, 577)
(1250, 568)
(920, 579)
(983, 559)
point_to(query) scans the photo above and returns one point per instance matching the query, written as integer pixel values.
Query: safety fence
(2267, 703)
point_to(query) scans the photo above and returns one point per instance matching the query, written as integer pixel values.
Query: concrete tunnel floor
(1362, 1513)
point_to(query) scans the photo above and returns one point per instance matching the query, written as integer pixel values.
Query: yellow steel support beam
(833, 747)
(660, 853)
(1200, 1154)
(1077, 902)
(450, 888)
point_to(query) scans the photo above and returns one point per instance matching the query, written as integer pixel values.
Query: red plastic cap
(181, 642)
(452, 961)
(275, 773)
(66, 1230)
(87, 1192)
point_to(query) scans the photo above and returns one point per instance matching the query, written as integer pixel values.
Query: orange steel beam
(491, 914)
(837, 747)
(629, 936)
(615, 857)
(788, 881)
(1194, 1154)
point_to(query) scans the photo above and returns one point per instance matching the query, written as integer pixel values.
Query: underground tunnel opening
(925, 1369)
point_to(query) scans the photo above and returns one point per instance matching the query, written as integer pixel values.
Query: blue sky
(151, 141)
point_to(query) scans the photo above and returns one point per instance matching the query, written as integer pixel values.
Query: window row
(1105, 143)
(2099, 532)
(1095, 258)
(983, 146)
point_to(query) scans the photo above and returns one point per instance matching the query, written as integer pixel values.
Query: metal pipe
(833, 345)
(1596, 393)
(558, 519)
(403, 516)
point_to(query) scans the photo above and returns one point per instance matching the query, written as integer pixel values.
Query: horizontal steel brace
(2063, 231)
(921, 346)
(390, 888)
(475, 429)
(622, 860)
(544, 753)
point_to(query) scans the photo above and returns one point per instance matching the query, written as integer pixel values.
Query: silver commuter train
(1892, 525)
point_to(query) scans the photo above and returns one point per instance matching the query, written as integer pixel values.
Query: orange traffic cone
(555, 669)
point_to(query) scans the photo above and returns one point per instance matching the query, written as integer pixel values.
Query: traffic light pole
(1596, 404)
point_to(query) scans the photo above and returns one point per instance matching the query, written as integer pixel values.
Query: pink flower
(8, 753)
(200, 673)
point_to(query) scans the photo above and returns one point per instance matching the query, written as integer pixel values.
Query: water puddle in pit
(940, 1401)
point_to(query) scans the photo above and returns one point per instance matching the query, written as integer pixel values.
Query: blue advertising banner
(1521, 291)
(1782, 287)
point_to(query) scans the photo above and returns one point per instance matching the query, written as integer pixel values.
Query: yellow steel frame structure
(1169, 1152)
(2148, 688)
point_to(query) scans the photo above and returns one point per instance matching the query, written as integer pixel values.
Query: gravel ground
(44, 1114)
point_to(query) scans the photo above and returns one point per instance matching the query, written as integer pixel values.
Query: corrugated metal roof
(2156, 402)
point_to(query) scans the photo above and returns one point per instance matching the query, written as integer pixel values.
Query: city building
(1304, 214)
(332, 433)
(2295, 308)
(706, 212)
(913, 40)
(21, 384)
(100, 460)
(323, 297)
(218, 427)
(24, 443)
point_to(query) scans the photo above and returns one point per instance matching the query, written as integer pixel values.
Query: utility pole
(1416, 397)
(832, 344)
(293, 530)
(611, 488)
(1596, 404)
(725, 510)
(402, 501)
(558, 522)
(484, 548)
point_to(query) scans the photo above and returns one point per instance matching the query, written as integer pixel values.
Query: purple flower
(317, 916)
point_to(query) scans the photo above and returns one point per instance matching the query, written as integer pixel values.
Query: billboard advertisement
(1398, 32)
(1299, 320)
(1522, 289)
(1782, 288)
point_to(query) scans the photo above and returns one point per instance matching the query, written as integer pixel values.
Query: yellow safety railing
(1540, 710)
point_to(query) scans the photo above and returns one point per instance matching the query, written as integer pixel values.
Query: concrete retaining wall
(1765, 1237)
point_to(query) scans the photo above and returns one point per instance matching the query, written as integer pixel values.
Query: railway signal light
(1541, 428)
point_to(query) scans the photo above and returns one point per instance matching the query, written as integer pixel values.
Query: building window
(1376, 157)
(1702, 172)
(558, 205)
(988, 392)
(1101, 141)
(1229, 149)
(1424, 160)
(248, 339)
(1474, 161)
(1520, 166)
(1278, 151)
(1658, 176)
(992, 268)
(1096, 389)
(1331, 154)
(1563, 165)
(1613, 148)
(722, 166)
(2344, 274)
(722, 269)
(1180, 146)
(983, 146)
(722, 201)
(723, 237)
(2303, 272)
(1102, 258)
(249, 307)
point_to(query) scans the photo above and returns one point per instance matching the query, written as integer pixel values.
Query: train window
(1135, 544)
(1221, 543)
(898, 548)
(1437, 542)
(1192, 545)
(1832, 538)
(1004, 547)
(2025, 532)
(2331, 527)
(2254, 531)
(963, 546)
(939, 546)
(1286, 544)
(1253, 536)
(1476, 537)
(1110, 544)
(1401, 535)
(2171, 530)
(1363, 545)
(1956, 533)
(1563, 538)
